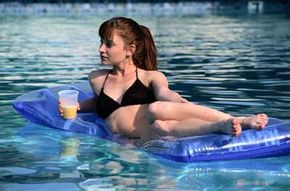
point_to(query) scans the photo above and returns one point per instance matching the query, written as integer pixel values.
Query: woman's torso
(127, 119)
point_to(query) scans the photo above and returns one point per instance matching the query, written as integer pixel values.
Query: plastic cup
(69, 103)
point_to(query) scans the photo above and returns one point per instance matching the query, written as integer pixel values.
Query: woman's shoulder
(97, 74)
(152, 73)
(96, 79)
(153, 76)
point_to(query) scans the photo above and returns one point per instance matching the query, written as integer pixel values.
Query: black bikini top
(136, 94)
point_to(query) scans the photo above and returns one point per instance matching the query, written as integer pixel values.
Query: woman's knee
(156, 108)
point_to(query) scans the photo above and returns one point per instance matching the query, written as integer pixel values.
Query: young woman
(134, 98)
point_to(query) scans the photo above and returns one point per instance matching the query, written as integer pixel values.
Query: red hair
(132, 33)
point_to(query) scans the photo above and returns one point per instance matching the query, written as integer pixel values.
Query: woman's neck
(124, 69)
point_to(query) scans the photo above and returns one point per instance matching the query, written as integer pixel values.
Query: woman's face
(113, 51)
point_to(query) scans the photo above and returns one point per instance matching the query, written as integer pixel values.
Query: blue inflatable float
(40, 107)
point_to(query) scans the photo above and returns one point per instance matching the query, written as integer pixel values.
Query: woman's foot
(231, 127)
(257, 122)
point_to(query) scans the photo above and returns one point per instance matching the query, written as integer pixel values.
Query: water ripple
(238, 64)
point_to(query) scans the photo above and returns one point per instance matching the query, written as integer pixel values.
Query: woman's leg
(182, 111)
(163, 110)
(194, 127)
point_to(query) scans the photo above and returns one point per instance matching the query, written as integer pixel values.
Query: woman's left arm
(162, 91)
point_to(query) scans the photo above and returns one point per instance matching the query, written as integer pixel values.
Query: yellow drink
(69, 112)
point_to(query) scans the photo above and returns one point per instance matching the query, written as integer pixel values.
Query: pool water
(239, 64)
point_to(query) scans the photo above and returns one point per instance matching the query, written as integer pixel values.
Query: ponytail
(149, 50)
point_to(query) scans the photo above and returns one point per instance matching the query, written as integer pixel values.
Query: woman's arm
(95, 79)
(162, 91)
(85, 106)
(88, 105)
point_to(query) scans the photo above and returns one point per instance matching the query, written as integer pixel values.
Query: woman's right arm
(88, 105)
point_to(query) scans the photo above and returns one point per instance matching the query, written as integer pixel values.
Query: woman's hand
(60, 110)
(183, 100)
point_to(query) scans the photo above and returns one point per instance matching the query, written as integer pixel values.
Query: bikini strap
(105, 80)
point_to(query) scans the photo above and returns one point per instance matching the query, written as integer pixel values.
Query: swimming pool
(238, 64)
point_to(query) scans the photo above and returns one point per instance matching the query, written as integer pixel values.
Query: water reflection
(43, 154)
